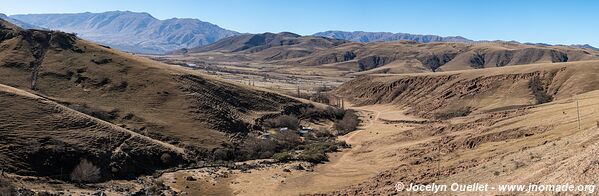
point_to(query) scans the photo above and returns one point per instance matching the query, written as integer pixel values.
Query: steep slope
(131, 31)
(453, 94)
(361, 36)
(164, 102)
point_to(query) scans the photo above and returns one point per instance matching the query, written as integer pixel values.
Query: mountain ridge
(137, 32)
(363, 36)
(19, 23)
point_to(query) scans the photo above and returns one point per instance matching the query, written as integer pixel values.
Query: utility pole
(298, 91)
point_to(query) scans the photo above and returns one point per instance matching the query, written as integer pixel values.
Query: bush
(166, 158)
(282, 156)
(224, 154)
(320, 98)
(313, 156)
(452, 113)
(288, 139)
(289, 121)
(155, 187)
(102, 61)
(324, 146)
(323, 133)
(257, 149)
(85, 172)
(329, 113)
(7, 188)
(348, 123)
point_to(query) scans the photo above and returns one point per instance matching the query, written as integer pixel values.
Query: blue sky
(554, 22)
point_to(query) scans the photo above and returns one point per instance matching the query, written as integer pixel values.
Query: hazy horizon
(551, 22)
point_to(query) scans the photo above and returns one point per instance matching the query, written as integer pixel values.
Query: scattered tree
(348, 123)
(289, 121)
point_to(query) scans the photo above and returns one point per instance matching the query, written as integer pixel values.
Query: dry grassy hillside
(116, 95)
(310, 52)
(41, 137)
(412, 57)
(142, 95)
(449, 94)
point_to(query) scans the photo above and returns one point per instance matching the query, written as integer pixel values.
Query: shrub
(329, 113)
(336, 113)
(320, 98)
(324, 146)
(452, 113)
(85, 172)
(225, 154)
(155, 187)
(289, 121)
(313, 156)
(322, 133)
(166, 158)
(102, 61)
(257, 149)
(348, 123)
(282, 156)
(7, 188)
(288, 139)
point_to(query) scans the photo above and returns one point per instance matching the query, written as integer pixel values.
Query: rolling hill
(282, 45)
(313, 52)
(67, 99)
(132, 31)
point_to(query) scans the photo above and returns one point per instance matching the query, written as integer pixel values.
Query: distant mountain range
(18, 22)
(132, 31)
(140, 32)
(361, 36)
